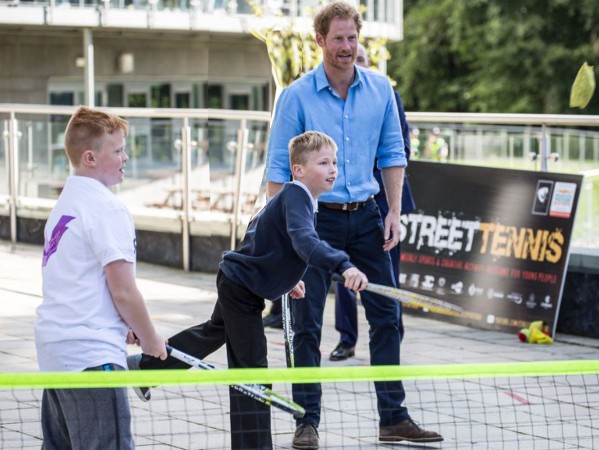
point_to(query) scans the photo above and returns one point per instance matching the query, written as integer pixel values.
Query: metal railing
(195, 171)
(540, 127)
(538, 142)
(195, 160)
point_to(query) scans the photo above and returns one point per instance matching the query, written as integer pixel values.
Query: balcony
(382, 18)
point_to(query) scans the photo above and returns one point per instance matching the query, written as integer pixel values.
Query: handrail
(504, 119)
(176, 113)
(207, 113)
(541, 125)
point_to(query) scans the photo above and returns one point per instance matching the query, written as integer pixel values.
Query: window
(115, 94)
(137, 100)
(182, 100)
(214, 96)
(160, 95)
(240, 101)
(62, 98)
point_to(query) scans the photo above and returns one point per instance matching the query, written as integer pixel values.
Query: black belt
(349, 207)
(106, 367)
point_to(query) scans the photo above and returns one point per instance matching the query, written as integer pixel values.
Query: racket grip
(337, 277)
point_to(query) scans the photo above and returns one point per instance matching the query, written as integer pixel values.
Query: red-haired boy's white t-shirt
(77, 325)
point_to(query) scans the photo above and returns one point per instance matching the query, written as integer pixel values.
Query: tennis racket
(410, 298)
(256, 391)
(287, 330)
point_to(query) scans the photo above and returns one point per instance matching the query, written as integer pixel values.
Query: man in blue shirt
(346, 308)
(357, 108)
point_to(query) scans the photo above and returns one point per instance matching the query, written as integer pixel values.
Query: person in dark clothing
(274, 318)
(279, 245)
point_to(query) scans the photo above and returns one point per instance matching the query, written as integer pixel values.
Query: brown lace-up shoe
(306, 437)
(407, 430)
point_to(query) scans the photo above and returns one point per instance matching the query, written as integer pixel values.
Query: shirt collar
(322, 82)
(305, 188)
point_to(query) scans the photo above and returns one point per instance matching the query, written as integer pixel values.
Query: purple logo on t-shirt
(51, 246)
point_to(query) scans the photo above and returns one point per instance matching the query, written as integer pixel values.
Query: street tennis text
(452, 235)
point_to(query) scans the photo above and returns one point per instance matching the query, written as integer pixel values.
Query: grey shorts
(87, 419)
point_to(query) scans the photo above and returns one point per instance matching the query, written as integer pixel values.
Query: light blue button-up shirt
(364, 126)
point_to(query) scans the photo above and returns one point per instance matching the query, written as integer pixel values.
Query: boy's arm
(130, 304)
(305, 240)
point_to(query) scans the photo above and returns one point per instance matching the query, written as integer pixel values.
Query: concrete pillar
(89, 83)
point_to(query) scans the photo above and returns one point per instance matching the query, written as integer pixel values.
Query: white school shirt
(77, 324)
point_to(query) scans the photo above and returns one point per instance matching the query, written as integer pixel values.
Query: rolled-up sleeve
(390, 152)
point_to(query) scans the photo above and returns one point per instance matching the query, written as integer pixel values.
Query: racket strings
(418, 300)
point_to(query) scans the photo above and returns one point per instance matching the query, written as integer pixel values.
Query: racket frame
(256, 391)
(410, 298)
(287, 330)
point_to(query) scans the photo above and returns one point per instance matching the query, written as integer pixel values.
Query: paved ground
(177, 299)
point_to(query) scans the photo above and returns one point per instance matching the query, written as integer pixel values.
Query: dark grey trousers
(86, 419)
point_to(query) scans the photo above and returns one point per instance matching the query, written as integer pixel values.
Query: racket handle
(337, 277)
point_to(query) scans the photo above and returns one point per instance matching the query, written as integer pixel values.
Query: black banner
(492, 241)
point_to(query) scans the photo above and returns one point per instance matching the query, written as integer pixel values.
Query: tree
(495, 55)
(291, 53)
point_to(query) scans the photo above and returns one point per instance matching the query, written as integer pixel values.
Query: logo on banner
(562, 202)
(542, 199)
(547, 302)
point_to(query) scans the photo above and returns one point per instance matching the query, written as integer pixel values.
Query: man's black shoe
(342, 352)
(273, 321)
